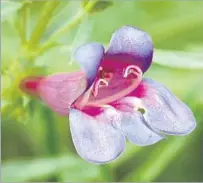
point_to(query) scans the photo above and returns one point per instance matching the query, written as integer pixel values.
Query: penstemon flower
(109, 101)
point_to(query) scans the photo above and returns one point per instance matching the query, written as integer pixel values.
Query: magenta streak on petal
(140, 91)
(124, 107)
(92, 111)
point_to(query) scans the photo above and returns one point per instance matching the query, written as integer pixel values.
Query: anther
(132, 69)
(97, 85)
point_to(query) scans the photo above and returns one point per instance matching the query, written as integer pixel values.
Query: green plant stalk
(21, 22)
(76, 20)
(106, 173)
(18, 27)
(24, 20)
(130, 152)
(51, 135)
(43, 22)
(159, 160)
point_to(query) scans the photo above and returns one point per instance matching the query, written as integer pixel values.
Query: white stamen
(100, 68)
(98, 85)
(132, 69)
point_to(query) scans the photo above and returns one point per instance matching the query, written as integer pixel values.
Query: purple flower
(109, 101)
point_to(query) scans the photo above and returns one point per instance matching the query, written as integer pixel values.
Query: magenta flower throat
(109, 101)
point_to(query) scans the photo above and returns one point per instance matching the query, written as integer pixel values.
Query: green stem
(51, 136)
(43, 22)
(18, 27)
(130, 153)
(106, 173)
(24, 19)
(51, 132)
(76, 20)
(158, 160)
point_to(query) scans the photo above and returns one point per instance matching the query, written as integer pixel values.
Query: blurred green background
(39, 37)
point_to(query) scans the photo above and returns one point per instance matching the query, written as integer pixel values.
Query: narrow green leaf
(81, 37)
(173, 27)
(160, 158)
(22, 22)
(99, 6)
(106, 173)
(25, 170)
(64, 29)
(80, 173)
(130, 152)
(179, 59)
(9, 8)
(42, 23)
(64, 53)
